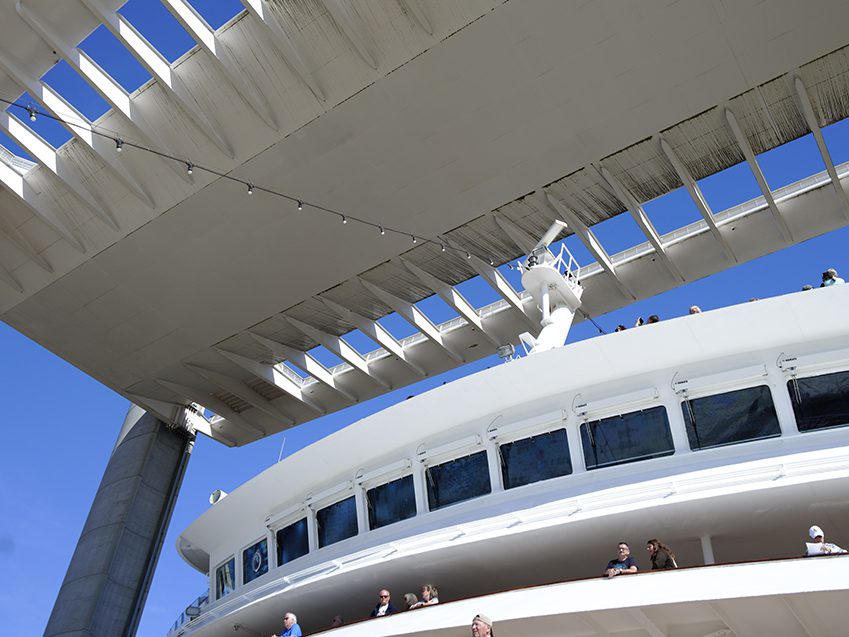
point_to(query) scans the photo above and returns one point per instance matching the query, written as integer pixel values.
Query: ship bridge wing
(317, 167)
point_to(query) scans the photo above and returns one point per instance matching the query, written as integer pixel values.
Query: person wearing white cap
(819, 546)
(482, 626)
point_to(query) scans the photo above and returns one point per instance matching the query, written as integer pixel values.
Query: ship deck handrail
(591, 578)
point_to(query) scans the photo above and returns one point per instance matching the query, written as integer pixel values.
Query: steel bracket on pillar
(213, 403)
(243, 391)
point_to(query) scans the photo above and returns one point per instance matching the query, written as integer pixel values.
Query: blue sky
(59, 425)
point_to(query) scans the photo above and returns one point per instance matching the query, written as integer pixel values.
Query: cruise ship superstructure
(312, 166)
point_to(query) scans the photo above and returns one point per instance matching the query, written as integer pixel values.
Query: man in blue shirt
(624, 564)
(290, 626)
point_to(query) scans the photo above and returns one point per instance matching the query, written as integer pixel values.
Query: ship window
(457, 480)
(536, 458)
(292, 542)
(391, 502)
(820, 402)
(255, 561)
(225, 578)
(630, 437)
(337, 522)
(726, 419)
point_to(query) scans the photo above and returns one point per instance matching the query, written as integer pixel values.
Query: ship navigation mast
(552, 281)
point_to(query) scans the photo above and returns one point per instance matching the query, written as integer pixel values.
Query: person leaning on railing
(661, 556)
(819, 546)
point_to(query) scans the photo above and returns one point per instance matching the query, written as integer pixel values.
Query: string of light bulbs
(121, 144)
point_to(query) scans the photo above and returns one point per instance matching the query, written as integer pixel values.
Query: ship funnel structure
(552, 280)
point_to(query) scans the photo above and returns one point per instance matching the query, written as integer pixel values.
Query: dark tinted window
(725, 419)
(292, 542)
(225, 578)
(255, 561)
(820, 402)
(337, 522)
(391, 502)
(457, 480)
(534, 459)
(638, 435)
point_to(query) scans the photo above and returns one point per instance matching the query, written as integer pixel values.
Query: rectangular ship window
(726, 419)
(225, 578)
(457, 480)
(638, 435)
(337, 522)
(820, 402)
(391, 502)
(536, 458)
(255, 561)
(292, 542)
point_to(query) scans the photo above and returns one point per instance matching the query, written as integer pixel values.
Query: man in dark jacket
(384, 606)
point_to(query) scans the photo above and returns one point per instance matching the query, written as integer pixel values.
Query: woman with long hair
(430, 596)
(661, 555)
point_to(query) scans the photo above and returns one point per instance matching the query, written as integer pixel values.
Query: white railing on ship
(18, 164)
(193, 610)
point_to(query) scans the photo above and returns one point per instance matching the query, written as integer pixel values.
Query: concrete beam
(339, 347)
(15, 184)
(197, 27)
(748, 153)
(100, 81)
(242, 390)
(352, 27)
(161, 70)
(376, 332)
(61, 168)
(696, 195)
(306, 363)
(414, 316)
(454, 299)
(79, 126)
(807, 110)
(273, 376)
(640, 216)
(262, 12)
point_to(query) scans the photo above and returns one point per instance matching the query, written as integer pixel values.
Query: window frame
(709, 392)
(589, 418)
(374, 484)
(231, 558)
(813, 373)
(326, 504)
(437, 461)
(523, 435)
(242, 552)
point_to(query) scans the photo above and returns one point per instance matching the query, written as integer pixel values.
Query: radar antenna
(552, 280)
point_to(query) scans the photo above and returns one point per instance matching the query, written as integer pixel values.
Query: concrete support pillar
(106, 584)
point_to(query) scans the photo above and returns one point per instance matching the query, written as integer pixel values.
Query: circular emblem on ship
(256, 562)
